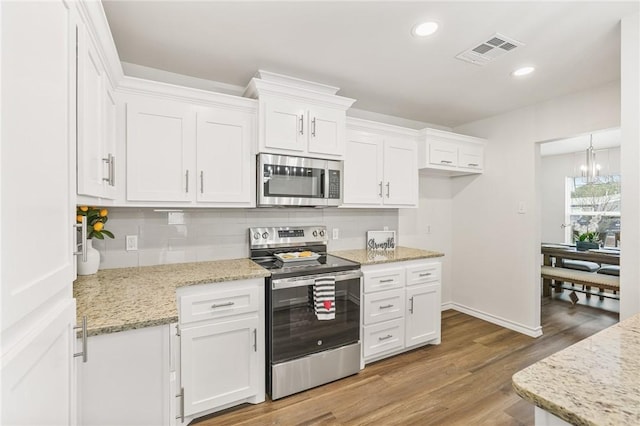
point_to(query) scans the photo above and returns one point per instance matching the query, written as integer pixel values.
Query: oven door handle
(308, 280)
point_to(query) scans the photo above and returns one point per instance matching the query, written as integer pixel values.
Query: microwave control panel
(334, 184)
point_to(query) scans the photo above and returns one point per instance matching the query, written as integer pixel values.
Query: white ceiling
(367, 50)
(609, 138)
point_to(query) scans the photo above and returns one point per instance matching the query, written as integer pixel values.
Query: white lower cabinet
(401, 307)
(127, 378)
(221, 348)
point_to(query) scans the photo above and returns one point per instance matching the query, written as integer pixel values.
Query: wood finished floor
(464, 381)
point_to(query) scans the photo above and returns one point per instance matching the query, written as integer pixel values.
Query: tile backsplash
(212, 234)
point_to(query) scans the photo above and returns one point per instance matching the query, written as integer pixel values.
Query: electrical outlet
(132, 243)
(336, 233)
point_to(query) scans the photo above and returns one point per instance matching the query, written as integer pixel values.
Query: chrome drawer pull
(84, 354)
(473, 164)
(386, 281)
(385, 307)
(425, 275)
(446, 161)
(387, 337)
(220, 305)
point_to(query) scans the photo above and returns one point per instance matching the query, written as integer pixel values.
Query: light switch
(132, 243)
(521, 207)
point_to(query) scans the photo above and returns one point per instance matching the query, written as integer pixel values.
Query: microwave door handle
(323, 186)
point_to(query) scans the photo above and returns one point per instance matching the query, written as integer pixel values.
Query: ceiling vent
(485, 52)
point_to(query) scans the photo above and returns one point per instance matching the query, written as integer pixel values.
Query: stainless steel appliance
(285, 181)
(304, 351)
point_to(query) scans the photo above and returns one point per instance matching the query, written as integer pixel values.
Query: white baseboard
(511, 325)
(447, 305)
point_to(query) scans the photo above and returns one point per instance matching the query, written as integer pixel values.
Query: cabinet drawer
(471, 157)
(214, 303)
(383, 306)
(421, 274)
(443, 154)
(383, 337)
(383, 279)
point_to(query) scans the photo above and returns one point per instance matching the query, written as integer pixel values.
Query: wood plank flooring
(464, 381)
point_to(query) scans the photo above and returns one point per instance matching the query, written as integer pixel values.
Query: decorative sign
(381, 240)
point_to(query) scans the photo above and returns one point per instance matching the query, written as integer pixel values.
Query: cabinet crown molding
(457, 137)
(388, 129)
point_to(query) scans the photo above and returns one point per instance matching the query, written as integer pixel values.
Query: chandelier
(590, 170)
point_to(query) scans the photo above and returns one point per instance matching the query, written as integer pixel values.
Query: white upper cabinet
(189, 154)
(380, 166)
(298, 117)
(96, 122)
(451, 154)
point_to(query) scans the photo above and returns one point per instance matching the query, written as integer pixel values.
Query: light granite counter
(365, 257)
(593, 382)
(128, 298)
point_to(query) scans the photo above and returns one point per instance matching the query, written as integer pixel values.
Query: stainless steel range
(313, 309)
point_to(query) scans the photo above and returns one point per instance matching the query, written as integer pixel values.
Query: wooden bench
(587, 279)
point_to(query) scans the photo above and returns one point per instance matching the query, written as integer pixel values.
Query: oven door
(291, 181)
(294, 329)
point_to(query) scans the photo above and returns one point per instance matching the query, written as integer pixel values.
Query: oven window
(288, 181)
(295, 329)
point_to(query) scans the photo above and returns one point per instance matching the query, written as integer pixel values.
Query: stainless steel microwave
(287, 181)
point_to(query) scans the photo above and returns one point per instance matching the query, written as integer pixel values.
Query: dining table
(553, 253)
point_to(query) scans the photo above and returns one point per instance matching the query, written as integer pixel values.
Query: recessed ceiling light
(425, 29)
(523, 71)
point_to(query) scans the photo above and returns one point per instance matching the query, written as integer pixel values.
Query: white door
(226, 169)
(363, 167)
(37, 237)
(423, 314)
(326, 131)
(400, 172)
(160, 151)
(285, 126)
(90, 112)
(219, 363)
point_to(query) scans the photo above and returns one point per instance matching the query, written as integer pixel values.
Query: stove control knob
(265, 235)
(256, 236)
(315, 233)
(322, 233)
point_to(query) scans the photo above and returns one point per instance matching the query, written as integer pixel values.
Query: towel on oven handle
(324, 298)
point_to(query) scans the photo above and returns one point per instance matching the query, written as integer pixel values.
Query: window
(594, 206)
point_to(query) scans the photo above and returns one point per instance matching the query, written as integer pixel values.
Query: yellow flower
(84, 208)
(98, 226)
(104, 212)
(79, 218)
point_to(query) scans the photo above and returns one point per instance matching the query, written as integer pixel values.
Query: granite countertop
(128, 298)
(593, 382)
(365, 257)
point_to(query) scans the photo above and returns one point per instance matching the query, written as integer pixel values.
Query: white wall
(554, 170)
(429, 226)
(497, 250)
(630, 226)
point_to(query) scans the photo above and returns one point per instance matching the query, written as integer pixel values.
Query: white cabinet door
(109, 145)
(219, 363)
(363, 167)
(423, 314)
(225, 166)
(400, 173)
(471, 157)
(160, 151)
(326, 131)
(285, 125)
(443, 154)
(38, 195)
(387, 336)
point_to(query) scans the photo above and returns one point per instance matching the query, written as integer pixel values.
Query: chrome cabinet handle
(83, 244)
(313, 128)
(181, 396)
(255, 340)
(380, 193)
(411, 307)
(385, 306)
(85, 345)
(111, 174)
(386, 281)
(302, 124)
(202, 181)
(446, 161)
(220, 305)
(387, 337)
(426, 274)
(473, 164)
(388, 189)
(186, 177)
